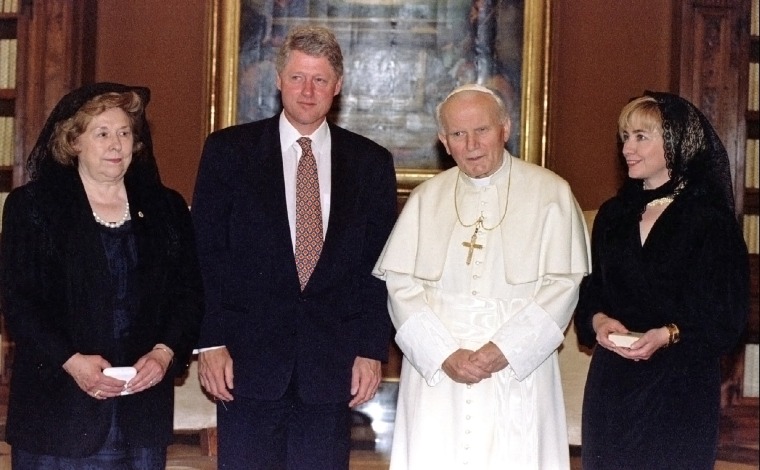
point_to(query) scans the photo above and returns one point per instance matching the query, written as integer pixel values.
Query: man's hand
(365, 378)
(489, 357)
(461, 369)
(151, 369)
(215, 372)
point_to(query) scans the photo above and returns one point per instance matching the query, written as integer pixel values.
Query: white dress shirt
(321, 146)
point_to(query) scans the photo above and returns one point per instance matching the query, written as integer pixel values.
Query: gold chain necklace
(478, 224)
(660, 201)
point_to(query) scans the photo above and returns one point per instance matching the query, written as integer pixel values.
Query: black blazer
(273, 331)
(55, 282)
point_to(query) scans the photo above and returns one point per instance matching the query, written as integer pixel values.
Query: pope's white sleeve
(530, 336)
(420, 334)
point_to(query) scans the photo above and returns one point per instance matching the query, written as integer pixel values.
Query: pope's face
(473, 133)
(105, 148)
(307, 85)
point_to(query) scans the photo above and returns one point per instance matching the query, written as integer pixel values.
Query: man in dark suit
(288, 230)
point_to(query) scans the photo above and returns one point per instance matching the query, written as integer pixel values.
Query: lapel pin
(140, 214)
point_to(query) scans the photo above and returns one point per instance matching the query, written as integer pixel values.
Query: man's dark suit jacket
(274, 332)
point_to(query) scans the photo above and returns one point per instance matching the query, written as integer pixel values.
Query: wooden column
(56, 54)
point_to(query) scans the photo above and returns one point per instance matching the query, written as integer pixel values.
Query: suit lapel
(265, 175)
(344, 191)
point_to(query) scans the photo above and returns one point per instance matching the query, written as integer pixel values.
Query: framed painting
(401, 58)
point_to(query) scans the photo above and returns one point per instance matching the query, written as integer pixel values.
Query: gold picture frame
(224, 57)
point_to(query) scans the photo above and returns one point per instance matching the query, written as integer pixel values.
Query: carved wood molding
(712, 72)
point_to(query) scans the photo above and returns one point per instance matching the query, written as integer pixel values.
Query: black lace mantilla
(695, 157)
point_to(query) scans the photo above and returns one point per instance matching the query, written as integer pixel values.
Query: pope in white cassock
(482, 269)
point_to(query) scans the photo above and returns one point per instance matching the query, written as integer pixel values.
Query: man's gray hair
(315, 41)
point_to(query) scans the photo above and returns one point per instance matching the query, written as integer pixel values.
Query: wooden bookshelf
(8, 36)
(8, 39)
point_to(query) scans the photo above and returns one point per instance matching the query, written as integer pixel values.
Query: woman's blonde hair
(640, 113)
(68, 131)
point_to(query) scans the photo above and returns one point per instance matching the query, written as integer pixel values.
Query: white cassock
(518, 291)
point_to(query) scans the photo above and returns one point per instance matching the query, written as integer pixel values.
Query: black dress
(692, 271)
(121, 252)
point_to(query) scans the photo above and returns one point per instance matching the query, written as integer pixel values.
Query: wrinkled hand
(645, 347)
(215, 373)
(461, 369)
(87, 371)
(490, 358)
(151, 369)
(365, 378)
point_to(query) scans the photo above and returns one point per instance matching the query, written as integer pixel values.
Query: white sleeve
(420, 334)
(529, 337)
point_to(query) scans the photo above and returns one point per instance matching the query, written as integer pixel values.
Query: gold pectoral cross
(472, 245)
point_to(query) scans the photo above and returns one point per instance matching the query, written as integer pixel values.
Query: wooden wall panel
(713, 73)
(603, 54)
(161, 45)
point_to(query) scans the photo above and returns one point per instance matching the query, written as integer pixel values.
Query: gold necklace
(478, 224)
(660, 201)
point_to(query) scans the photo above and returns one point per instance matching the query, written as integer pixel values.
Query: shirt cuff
(200, 350)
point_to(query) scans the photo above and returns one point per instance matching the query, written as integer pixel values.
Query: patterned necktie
(308, 214)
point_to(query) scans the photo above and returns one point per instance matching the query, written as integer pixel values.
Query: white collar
(289, 134)
(486, 180)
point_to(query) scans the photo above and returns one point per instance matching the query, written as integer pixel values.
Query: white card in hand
(122, 373)
(624, 340)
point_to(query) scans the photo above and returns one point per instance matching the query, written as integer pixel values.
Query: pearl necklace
(118, 224)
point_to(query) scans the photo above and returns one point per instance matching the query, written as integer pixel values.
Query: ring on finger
(97, 393)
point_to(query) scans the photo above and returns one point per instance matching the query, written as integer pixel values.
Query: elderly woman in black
(667, 297)
(98, 271)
